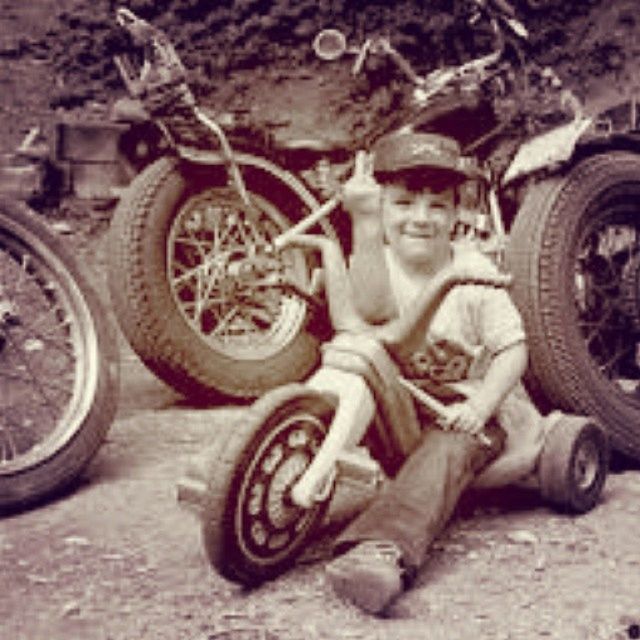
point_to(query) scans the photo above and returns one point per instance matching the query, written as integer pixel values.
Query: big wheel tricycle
(263, 488)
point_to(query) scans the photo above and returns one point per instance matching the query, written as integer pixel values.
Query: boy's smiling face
(418, 222)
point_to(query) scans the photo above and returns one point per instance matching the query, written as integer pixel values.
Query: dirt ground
(117, 558)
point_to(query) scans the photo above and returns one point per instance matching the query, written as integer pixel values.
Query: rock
(522, 536)
(71, 608)
(77, 541)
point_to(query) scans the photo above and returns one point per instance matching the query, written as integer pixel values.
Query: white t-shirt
(472, 324)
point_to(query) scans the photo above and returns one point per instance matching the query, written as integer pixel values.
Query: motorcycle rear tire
(59, 363)
(251, 530)
(182, 350)
(578, 291)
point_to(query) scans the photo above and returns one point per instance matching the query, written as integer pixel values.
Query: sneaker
(369, 575)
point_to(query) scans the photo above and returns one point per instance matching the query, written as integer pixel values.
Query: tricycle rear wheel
(574, 464)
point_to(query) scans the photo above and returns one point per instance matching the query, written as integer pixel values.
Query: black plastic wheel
(574, 252)
(574, 464)
(251, 529)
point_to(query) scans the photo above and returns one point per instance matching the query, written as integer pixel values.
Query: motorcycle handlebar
(439, 78)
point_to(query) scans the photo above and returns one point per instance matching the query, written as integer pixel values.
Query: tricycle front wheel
(252, 530)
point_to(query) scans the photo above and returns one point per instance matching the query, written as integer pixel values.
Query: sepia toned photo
(319, 320)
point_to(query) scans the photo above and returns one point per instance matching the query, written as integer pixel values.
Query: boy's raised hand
(361, 193)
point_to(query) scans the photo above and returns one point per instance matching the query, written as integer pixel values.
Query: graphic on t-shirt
(440, 361)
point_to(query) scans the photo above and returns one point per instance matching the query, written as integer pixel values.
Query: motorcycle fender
(547, 150)
(216, 159)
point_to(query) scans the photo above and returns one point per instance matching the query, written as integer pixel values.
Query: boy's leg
(411, 510)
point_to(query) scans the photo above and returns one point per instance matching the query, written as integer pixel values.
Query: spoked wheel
(252, 530)
(575, 256)
(58, 362)
(200, 300)
(224, 288)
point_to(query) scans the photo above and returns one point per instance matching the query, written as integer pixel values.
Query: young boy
(401, 289)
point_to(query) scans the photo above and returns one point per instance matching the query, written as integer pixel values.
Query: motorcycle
(59, 365)
(209, 305)
(198, 299)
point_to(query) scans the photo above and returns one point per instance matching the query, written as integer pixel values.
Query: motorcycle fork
(236, 181)
(497, 223)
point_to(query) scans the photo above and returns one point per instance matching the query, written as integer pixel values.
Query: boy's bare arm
(361, 197)
(504, 372)
(339, 292)
(368, 274)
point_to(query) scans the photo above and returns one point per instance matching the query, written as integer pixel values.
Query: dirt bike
(59, 361)
(207, 308)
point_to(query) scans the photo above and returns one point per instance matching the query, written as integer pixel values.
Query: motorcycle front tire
(59, 362)
(574, 256)
(172, 299)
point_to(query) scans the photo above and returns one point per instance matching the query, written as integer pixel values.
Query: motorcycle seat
(302, 153)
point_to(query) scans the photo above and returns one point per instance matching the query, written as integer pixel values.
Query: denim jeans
(414, 507)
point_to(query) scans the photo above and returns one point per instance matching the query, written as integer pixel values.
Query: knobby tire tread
(149, 332)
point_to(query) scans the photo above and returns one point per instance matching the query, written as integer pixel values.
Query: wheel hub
(586, 465)
(268, 520)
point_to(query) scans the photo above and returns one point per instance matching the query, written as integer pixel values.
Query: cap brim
(436, 178)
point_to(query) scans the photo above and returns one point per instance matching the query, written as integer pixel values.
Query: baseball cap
(429, 157)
